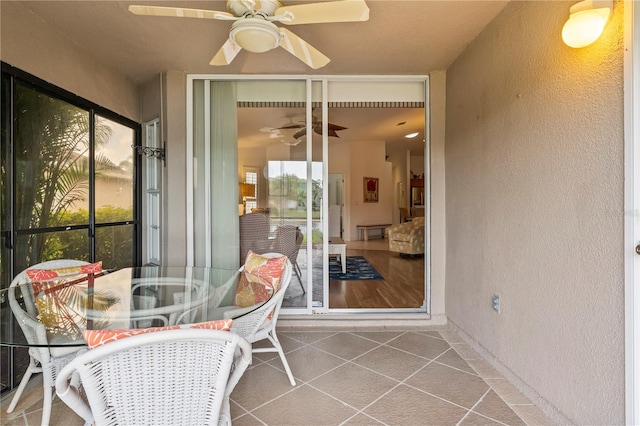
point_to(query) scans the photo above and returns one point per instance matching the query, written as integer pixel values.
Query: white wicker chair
(257, 325)
(46, 360)
(171, 377)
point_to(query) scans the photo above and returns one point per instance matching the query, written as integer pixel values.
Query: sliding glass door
(260, 154)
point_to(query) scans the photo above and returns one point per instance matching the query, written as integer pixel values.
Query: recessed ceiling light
(412, 135)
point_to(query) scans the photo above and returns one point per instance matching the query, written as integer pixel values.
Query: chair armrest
(70, 395)
(240, 364)
(237, 311)
(401, 228)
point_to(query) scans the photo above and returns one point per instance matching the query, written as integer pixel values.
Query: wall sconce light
(247, 190)
(586, 22)
(159, 153)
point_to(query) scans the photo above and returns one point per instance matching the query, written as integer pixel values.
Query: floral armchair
(407, 238)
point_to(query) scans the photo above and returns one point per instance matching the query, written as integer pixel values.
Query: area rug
(358, 268)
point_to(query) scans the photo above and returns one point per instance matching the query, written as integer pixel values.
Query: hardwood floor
(402, 287)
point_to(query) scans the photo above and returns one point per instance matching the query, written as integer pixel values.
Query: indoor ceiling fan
(316, 125)
(254, 30)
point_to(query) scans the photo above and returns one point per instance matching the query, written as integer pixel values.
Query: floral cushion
(55, 290)
(260, 278)
(47, 274)
(95, 338)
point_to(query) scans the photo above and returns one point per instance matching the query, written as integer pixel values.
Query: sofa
(407, 238)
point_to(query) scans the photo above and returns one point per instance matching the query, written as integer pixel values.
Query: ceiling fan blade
(179, 12)
(302, 50)
(227, 52)
(300, 134)
(331, 11)
(331, 129)
(336, 127)
(289, 126)
(331, 132)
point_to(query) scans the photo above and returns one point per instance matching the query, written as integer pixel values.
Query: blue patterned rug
(358, 268)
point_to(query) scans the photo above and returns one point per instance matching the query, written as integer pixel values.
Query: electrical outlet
(495, 303)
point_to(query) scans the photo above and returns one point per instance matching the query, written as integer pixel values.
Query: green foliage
(52, 156)
(114, 244)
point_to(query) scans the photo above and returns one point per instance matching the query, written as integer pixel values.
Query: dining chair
(169, 377)
(260, 324)
(254, 229)
(46, 360)
(287, 241)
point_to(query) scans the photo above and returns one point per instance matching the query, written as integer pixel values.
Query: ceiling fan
(316, 126)
(254, 30)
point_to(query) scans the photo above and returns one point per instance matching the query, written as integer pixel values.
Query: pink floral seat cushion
(95, 338)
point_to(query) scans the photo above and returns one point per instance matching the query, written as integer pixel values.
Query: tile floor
(418, 377)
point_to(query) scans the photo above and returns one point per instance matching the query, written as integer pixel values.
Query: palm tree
(52, 141)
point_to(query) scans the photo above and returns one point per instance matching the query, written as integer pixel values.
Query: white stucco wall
(534, 189)
(30, 44)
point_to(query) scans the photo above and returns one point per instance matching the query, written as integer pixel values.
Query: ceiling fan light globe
(255, 35)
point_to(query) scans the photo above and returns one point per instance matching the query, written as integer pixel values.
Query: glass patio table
(141, 297)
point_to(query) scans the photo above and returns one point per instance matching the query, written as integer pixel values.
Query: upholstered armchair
(407, 238)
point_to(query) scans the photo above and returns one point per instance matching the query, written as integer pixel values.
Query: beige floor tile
(345, 345)
(30, 400)
(406, 406)
(61, 414)
(247, 420)
(432, 333)
(466, 351)
(308, 363)
(354, 385)
(420, 344)
(448, 383)
(532, 415)
(452, 337)
(484, 369)
(452, 359)
(295, 409)
(260, 385)
(391, 362)
(379, 336)
(380, 359)
(473, 419)
(509, 393)
(306, 336)
(362, 420)
(494, 407)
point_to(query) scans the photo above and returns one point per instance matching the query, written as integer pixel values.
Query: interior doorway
(336, 182)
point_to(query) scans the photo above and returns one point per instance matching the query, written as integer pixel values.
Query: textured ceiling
(400, 38)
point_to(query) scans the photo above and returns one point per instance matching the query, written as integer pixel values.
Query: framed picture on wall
(370, 190)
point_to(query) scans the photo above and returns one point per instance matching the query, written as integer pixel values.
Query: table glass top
(141, 297)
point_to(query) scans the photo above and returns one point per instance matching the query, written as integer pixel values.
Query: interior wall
(30, 44)
(368, 160)
(534, 187)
